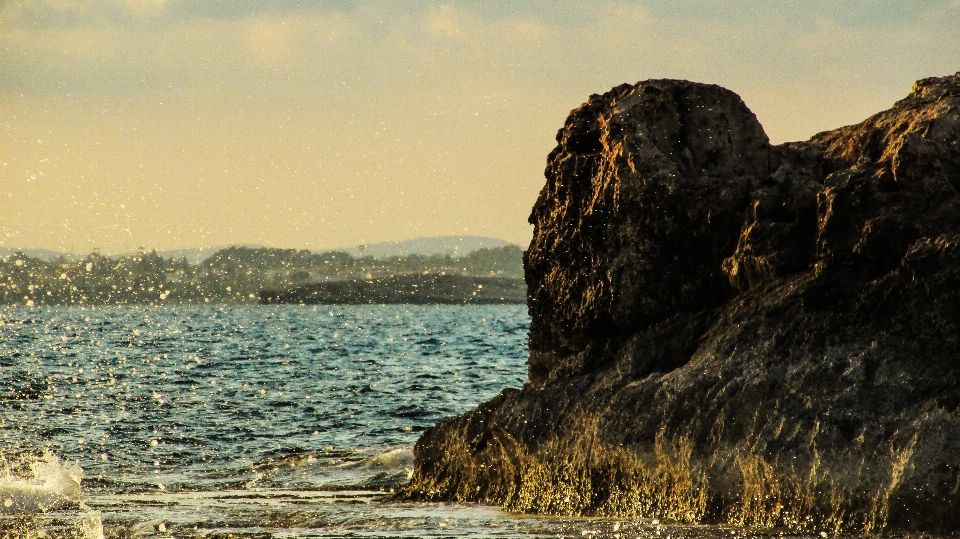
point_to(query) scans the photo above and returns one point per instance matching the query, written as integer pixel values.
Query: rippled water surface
(246, 418)
(251, 421)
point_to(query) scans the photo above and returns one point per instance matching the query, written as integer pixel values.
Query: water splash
(386, 469)
(54, 485)
(31, 503)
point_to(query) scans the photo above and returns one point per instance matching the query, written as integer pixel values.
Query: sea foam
(54, 485)
(389, 468)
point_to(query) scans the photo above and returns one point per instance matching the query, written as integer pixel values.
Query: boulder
(727, 331)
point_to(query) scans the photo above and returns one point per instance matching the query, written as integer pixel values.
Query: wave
(387, 469)
(54, 486)
(335, 469)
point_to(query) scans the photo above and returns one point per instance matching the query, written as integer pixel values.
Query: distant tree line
(231, 275)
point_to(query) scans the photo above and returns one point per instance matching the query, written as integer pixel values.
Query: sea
(249, 421)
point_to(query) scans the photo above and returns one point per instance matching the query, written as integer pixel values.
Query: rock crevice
(729, 331)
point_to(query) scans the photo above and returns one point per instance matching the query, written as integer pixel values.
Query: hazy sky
(191, 123)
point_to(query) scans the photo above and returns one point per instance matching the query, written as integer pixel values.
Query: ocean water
(251, 421)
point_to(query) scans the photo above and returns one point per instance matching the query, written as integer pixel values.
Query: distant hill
(193, 256)
(440, 245)
(454, 246)
(42, 254)
(196, 256)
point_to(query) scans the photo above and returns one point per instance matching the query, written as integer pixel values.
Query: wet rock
(729, 331)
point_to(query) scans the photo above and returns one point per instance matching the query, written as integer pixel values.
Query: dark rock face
(729, 331)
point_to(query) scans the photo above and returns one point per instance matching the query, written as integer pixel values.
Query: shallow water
(251, 421)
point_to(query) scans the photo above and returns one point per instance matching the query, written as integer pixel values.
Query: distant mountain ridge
(42, 254)
(437, 245)
(196, 256)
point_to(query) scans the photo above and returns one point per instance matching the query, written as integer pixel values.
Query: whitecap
(54, 485)
(389, 468)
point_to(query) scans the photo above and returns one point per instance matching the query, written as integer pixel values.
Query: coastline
(415, 289)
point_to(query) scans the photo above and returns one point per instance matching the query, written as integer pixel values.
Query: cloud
(525, 31)
(445, 21)
(144, 8)
(41, 13)
(270, 40)
(47, 14)
(297, 42)
(147, 51)
(447, 48)
(859, 13)
(618, 24)
(231, 9)
(491, 36)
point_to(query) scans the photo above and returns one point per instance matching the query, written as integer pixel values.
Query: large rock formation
(729, 331)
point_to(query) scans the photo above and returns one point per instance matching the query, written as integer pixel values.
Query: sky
(169, 124)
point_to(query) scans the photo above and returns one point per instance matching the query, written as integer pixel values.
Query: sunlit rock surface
(729, 331)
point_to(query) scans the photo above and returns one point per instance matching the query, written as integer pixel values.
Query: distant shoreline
(240, 275)
(416, 289)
